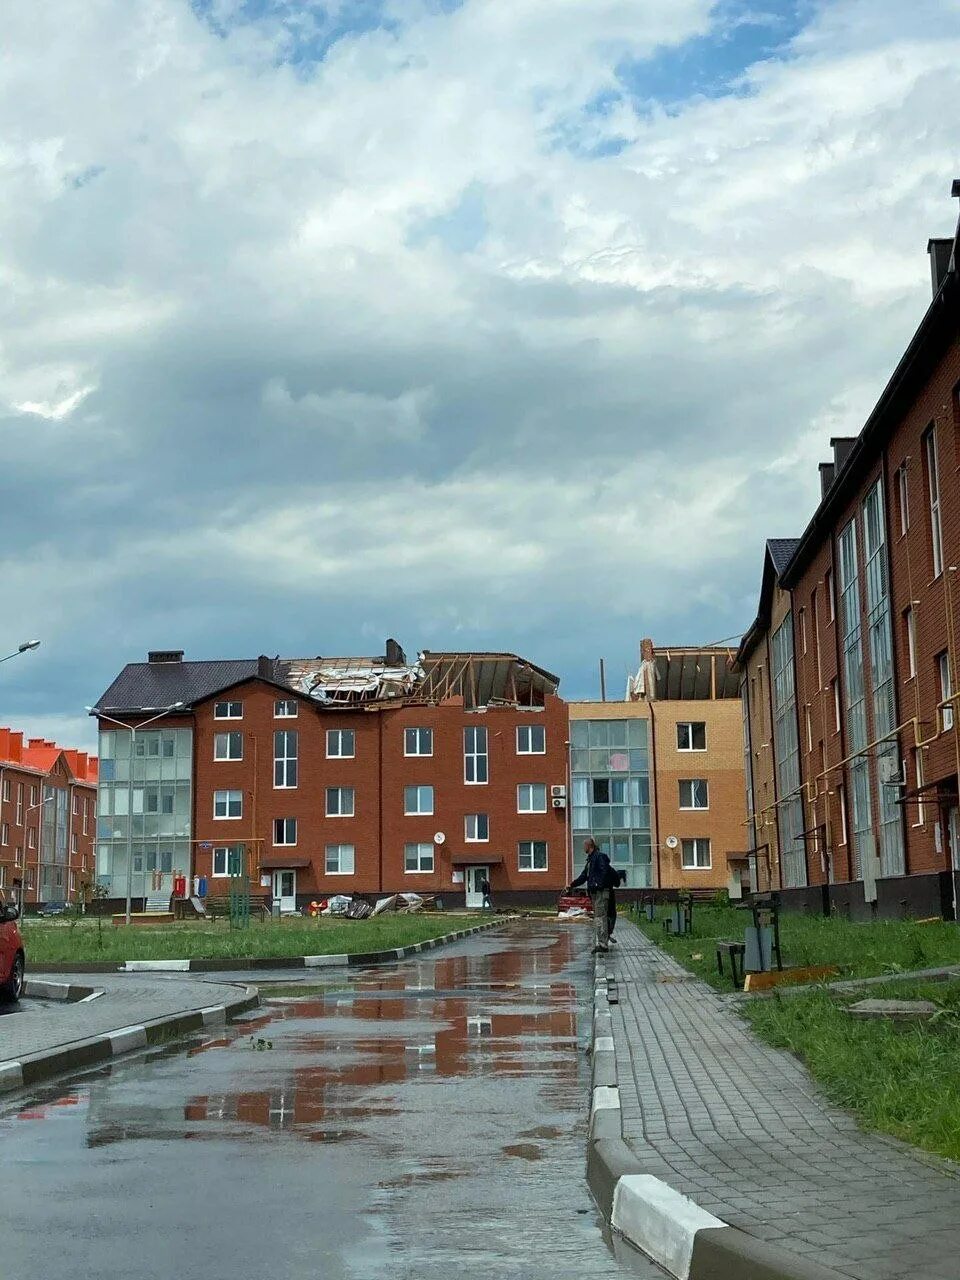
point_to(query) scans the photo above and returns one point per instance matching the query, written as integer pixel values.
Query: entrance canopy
(278, 860)
(475, 860)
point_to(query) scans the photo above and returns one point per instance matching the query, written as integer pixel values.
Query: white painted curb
(661, 1221)
(127, 1038)
(156, 966)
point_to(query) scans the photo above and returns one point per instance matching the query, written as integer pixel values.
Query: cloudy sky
(496, 323)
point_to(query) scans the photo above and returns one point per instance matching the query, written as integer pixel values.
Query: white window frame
(933, 486)
(229, 793)
(284, 843)
(946, 688)
(286, 760)
(74, 843)
(903, 498)
(19, 804)
(220, 738)
(76, 800)
(471, 821)
(335, 738)
(695, 843)
(341, 792)
(423, 733)
(226, 850)
(417, 788)
(842, 793)
(526, 732)
(803, 629)
(424, 852)
(5, 833)
(6, 791)
(342, 852)
(692, 784)
(911, 621)
(230, 713)
(286, 713)
(918, 775)
(689, 724)
(831, 595)
(809, 727)
(531, 847)
(836, 704)
(476, 756)
(530, 788)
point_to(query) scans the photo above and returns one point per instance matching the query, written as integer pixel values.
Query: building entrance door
(284, 891)
(475, 878)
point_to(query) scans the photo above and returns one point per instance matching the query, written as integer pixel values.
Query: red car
(12, 958)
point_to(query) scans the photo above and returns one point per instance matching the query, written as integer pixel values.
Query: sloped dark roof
(781, 549)
(158, 684)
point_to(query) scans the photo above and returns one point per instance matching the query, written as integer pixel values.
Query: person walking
(487, 904)
(597, 875)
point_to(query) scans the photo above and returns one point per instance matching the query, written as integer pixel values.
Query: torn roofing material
(480, 679)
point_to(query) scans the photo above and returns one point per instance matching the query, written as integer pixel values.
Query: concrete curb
(35, 1067)
(69, 992)
(685, 1240)
(230, 964)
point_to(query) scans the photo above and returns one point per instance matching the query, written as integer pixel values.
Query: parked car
(52, 909)
(12, 954)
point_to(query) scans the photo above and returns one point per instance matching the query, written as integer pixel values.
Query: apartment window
(418, 857)
(695, 854)
(284, 831)
(943, 668)
(341, 744)
(285, 709)
(228, 804)
(842, 793)
(831, 598)
(3, 877)
(691, 735)
(417, 800)
(73, 843)
(933, 485)
(228, 860)
(86, 815)
(531, 740)
(32, 838)
(340, 802)
(340, 859)
(19, 804)
(694, 793)
(918, 776)
(5, 833)
(803, 630)
(809, 724)
(475, 761)
(34, 797)
(903, 498)
(228, 711)
(815, 629)
(532, 797)
(476, 827)
(285, 758)
(910, 627)
(532, 855)
(418, 742)
(835, 686)
(76, 801)
(18, 856)
(6, 788)
(228, 746)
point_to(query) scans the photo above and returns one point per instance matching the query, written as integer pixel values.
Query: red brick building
(352, 775)
(48, 800)
(873, 615)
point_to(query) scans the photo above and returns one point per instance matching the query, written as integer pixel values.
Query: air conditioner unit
(559, 802)
(558, 792)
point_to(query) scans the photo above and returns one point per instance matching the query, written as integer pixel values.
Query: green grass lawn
(901, 1080)
(65, 942)
(859, 950)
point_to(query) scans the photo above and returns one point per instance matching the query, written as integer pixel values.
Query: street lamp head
(28, 644)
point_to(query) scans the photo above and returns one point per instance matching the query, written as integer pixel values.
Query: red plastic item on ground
(567, 901)
(180, 886)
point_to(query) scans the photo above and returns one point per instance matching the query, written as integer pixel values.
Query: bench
(735, 952)
(217, 906)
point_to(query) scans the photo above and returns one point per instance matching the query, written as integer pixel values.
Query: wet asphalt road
(418, 1122)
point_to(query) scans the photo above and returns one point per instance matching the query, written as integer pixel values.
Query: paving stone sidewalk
(40, 1026)
(742, 1129)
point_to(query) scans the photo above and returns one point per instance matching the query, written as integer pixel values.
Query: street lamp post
(133, 729)
(21, 648)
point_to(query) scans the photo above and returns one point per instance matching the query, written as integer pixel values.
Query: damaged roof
(481, 679)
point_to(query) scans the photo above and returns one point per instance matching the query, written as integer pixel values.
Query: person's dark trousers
(611, 913)
(487, 904)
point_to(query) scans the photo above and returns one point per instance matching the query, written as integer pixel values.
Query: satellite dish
(439, 838)
(672, 842)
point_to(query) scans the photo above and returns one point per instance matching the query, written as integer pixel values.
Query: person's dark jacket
(597, 874)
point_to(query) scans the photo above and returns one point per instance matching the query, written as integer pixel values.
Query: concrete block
(659, 1221)
(128, 1038)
